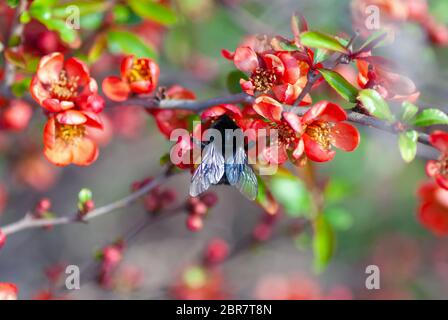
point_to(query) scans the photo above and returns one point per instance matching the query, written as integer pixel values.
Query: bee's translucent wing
(209, 171)
(241, 175)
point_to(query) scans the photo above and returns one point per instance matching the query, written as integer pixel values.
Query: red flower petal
(126, 64)
(142, 86)
(247, 86)
(50, 133)
(84, 152)
(93, 119)
(324, 111)
(55, 105)
(217, 111)
(50, 67)
(76, 68)
(299, 149)
(275, 154)
(71, 117)
(345, 136)
(293, 121)
(268, 108)
(442, 181)
(275, 64)
(38, 92)
(245, 59)
(179, 92)
(439, 139)
(8, 291)
(115, 89)
(432, 168)
(434, 217)
(315, 152)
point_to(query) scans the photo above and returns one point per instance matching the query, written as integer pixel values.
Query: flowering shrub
(295, 100)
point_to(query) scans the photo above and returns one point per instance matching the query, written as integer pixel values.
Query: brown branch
(29, 222)
(194, 105)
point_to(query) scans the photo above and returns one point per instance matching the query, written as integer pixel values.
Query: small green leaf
(375, 104)
(265, 198)
(66, 33)
(128, 43)
(121, 13)
(321, 55)
(430, 117)
(345, 89)
(337, 190)
(319, 40)
(339, 218)
(20, 88)
(97, 48)
(292, 194)
(12, 3)
(154, 11)
(233, 81)
(84, 7)
(408, 111)
(84, 195)
(407, 142)
(323, 243)
(377, 39)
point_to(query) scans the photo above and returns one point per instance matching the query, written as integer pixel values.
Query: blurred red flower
(438, 169)
(8, 291)
(138, 76)
(433, 208)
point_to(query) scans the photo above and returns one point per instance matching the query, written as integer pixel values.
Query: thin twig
(29, 222)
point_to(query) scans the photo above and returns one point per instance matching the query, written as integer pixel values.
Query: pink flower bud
(194, 223)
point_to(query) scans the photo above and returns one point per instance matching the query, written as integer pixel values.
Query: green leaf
(85, 7)
(375, 104)
(377, 39)
(337, 190)
(66, 33)
(321, 55)
(20, 88)
(12, 3)
(121, 13)
(153, 11)
(292, 194)
(233, 81)
(319, 40)
(97, 48)
(407, 142)
(345, 89)
(265, 198)
(408, 111)
(339, 218)
(128, 43)
(323, 243)
(430, 117)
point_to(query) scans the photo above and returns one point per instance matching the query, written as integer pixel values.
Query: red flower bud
(194, 223)
(2, 238)
(199, 209)
(262, 232)
(16, 115)
(210, 199)
(216, 251)
(43, 205)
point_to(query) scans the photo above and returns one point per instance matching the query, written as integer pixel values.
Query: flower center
(64, 88)
(286, 135)
(69, 132)
(263, 80)
(320, 132)
(139, 71)
(443, 164)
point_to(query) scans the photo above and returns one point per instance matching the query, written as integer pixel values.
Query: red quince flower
(66, 140)
(169, 119)
(288, 126)
(438, 169)
(323, 126)
(376, 73)
(433, 209)
(8, 291)
(139, 76)
(278, 72)
(60, 85)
